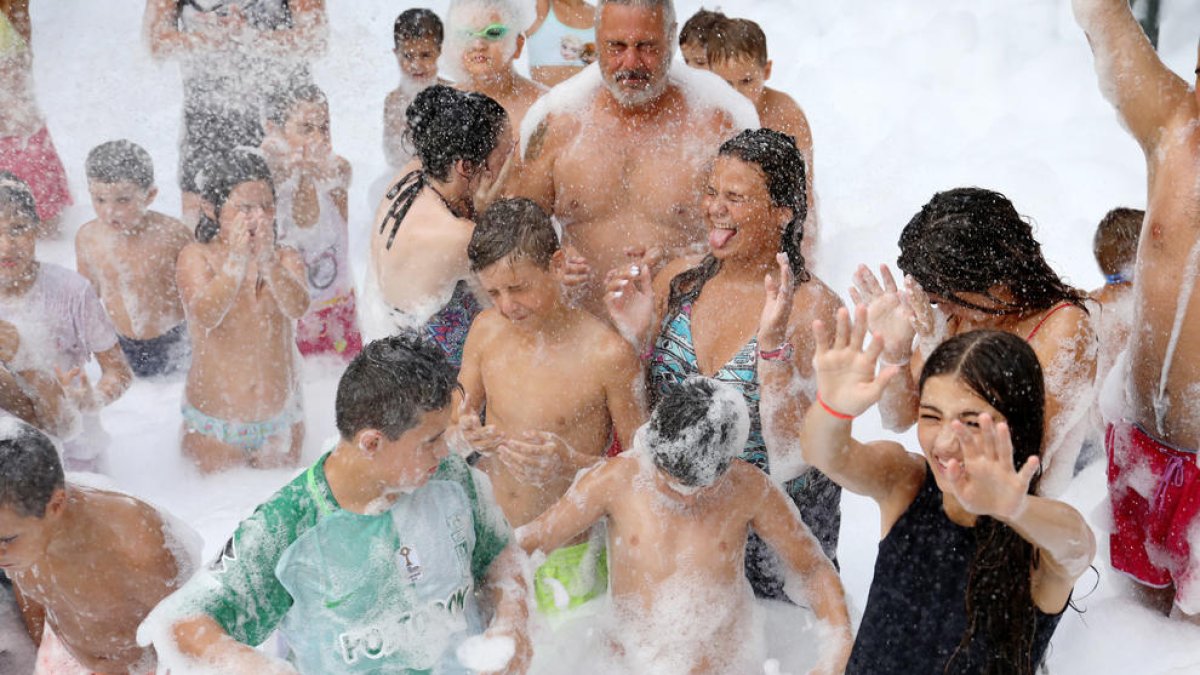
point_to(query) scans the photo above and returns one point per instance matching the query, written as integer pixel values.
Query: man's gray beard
(636, 99)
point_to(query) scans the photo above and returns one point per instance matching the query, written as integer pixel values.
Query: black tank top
(916, 609)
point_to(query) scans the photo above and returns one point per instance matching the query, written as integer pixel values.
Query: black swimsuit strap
(402, 194)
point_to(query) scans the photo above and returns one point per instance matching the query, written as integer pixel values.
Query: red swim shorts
(1155, 493)
(330, 328)
(35, 161)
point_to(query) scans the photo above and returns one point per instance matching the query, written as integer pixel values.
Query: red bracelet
(831, 411)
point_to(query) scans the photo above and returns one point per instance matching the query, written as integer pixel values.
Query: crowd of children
(656, 411)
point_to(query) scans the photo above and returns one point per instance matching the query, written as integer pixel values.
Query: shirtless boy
(737, 52)
(62, 322)
(1115, 247)
(311, 184)
(128, 253)
(550, 412)
(418, 36)
(243, 294)
(679, 507)
(87, 565)
(486, 36)
(626, 171)
(1161, 429)
(374, 560)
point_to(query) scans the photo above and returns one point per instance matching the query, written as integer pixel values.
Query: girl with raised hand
(972, 263)
(974, 570)
(731, 314)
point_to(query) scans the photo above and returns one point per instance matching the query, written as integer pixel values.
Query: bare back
(135, 274)
(428, 256)
(102, 576)
(616, 180)
(243, 368)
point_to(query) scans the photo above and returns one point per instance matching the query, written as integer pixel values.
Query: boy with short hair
(558, 384)
(370, 560)
(87, 565)
(128, 252)
(736, 50)
(418, 36)
(679, 506)
(311, 184)
(1115, 247)
(694, 36)
(61, 321)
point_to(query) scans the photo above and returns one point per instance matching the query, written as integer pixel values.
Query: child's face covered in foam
(482, 42)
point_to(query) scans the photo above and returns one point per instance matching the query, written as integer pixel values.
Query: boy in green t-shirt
(371, 560)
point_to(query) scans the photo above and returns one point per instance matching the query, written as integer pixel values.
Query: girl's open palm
(846, 377)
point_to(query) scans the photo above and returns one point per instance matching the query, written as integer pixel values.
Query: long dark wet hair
(969, 240)
(776, 155)
(220, 178)
(1003, 370)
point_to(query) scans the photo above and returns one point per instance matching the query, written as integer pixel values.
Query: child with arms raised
(243, 294)
(128, 253)
(679, 506)
(87, 565)
(550, 413)
(311, 183)
(974, 570)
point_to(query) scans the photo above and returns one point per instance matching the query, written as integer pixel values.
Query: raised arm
(847, 386)
(208, 293)
(778, 522)
(987, 483)
(1146, 93)
(585, 502)
(160, 25)
(203, 639)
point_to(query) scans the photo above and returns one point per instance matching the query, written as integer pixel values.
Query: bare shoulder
(134, 523)
(172, 228)
(488, 327)
(1067, 323)
(603, 342)
(662, 281)
(784, 114)
(551, 133)
(193, 257)
(88, 236)
(814, 300)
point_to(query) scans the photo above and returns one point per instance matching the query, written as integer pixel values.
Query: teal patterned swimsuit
(817, 497)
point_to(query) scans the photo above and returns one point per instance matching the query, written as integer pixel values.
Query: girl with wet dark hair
(419, 266)
(969, 252)
(974, 571)
(708, 315)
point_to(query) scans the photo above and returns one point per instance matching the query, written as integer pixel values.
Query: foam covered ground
(904, 99)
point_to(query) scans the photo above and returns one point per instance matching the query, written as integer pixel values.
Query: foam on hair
(699, 426)
(30, 469)
(120, 161)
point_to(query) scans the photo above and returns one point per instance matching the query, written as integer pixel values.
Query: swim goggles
(491, 32)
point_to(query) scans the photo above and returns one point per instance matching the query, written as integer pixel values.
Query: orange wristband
(831, 411)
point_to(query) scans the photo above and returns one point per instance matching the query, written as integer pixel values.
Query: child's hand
(576, 271)
(537, 458)
(78, 389)
(10, 341)
(629, 297)
(889, 313)
(985, 481)
(479, 438)
(773, 324)
(846, 379)
(925, 317)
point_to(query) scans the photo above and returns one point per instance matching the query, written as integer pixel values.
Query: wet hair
(700, 27)
(782, 165)
(416, 24)
(667, 7)
(515, 227)
(736, 39)
(1003, 370)
(30, 471)
(218, 180)
(696, 430)
(279, 106)
(1116, 242)
(120, 162)
(446, 125)
(16, 194)
(390, 384)
(969, 240)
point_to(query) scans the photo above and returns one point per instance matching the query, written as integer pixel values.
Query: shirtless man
(1161, 427)
(87, 565)
(128, 253)
(549, 412)
(679, 506)
(485, 38)
(243, 294)
(627, 171)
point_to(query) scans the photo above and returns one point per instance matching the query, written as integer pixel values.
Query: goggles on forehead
(491, 32)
